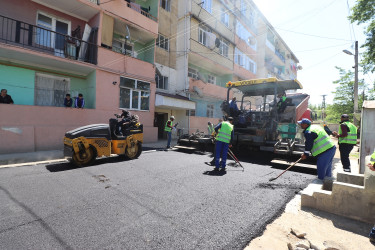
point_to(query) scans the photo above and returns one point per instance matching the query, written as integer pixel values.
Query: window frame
(163, 79)
(124, 50)
(203, 35)
(166, 5)
(210, 110)
(193, 73)
(135, 90)
(224, 17)
(224, 47)
(207, 5)
(53, 77)
(211, 79)
(165, 42)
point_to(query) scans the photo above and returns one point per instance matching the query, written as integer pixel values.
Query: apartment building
(104, 50)
(208, 44)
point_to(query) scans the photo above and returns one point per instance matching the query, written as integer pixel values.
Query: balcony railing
(40, 39)
(280, 55)
(144, 11)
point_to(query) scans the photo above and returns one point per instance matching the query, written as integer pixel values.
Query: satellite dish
(251, 40)
(217, 42)
(299, 67)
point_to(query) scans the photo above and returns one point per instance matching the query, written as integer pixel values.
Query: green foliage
(364, 13)
(343, 102)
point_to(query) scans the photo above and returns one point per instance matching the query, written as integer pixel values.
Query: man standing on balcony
(80, 102)
(5, 98)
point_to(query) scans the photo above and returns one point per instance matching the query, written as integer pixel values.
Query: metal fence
(37, 38)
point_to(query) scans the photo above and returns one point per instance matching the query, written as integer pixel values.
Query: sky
(317, 31)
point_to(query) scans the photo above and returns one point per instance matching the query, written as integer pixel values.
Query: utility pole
(355, 121)
(355, 109)
(323, 107)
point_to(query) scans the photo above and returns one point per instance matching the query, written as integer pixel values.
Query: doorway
(160, 120)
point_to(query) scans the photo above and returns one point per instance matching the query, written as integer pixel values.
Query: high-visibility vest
(352, 134)
(225, 132)
(282, 99)
(166, 128)
(210, 129)
(372, 159)
(322, 143)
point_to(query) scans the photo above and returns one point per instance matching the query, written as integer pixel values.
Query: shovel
(235, 158)
(272, 179)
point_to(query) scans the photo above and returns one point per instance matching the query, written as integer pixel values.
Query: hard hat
(172, 117)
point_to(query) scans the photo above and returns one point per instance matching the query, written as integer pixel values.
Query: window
(50, 90)
(46, 38)
(211, 79)
(193, 73)
(210, 110)
(161, 81)
(162, 42)
(134, 94)
(223, 49)
(207, 4)
(245, 35)
(224, 17)
(123, 47)
(204, 35)
(165, 4)
(190, 112)
(244, 61)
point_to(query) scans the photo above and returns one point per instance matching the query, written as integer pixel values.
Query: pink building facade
(51, 48)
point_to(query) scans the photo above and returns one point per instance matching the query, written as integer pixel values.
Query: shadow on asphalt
(58, 167)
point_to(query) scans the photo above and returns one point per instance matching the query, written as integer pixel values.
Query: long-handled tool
(235, 158)
(272, 179)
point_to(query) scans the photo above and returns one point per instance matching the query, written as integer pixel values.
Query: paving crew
(319, 145)
(347, 139)
(224, 137)
(371, 165)
(168, 128)
(281, 104)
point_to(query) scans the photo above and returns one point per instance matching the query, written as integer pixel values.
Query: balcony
(279, 55)
(143, 10)
(29, 36)
(82, 9)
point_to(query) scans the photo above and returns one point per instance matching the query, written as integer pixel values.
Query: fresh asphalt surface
(163, 200)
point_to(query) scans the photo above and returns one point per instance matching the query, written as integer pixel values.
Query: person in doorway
(319, 145)
(371, 166)
(223, 138)
(347, 136)
(68, 102)
(80, 102)
(5, 98)
(168, 128)
(233, 108)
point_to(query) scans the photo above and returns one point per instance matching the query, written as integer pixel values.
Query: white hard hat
(172, 117)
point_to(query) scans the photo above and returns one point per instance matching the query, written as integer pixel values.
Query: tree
(364, 13)
(344, 96)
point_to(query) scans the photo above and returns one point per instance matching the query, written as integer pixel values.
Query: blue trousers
(169, 136)
(221, 149)
(324, 163)
(372, 233)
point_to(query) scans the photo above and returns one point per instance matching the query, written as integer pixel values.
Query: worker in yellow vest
(371, 165)
(347, 139)
(223, 138)
(168, 128)
(319, 145)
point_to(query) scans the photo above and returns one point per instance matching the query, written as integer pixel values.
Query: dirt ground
(323, 230)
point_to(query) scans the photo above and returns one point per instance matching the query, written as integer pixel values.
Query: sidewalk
(57, 155)
(322, 230)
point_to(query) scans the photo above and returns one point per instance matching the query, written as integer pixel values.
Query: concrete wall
(367, 145)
